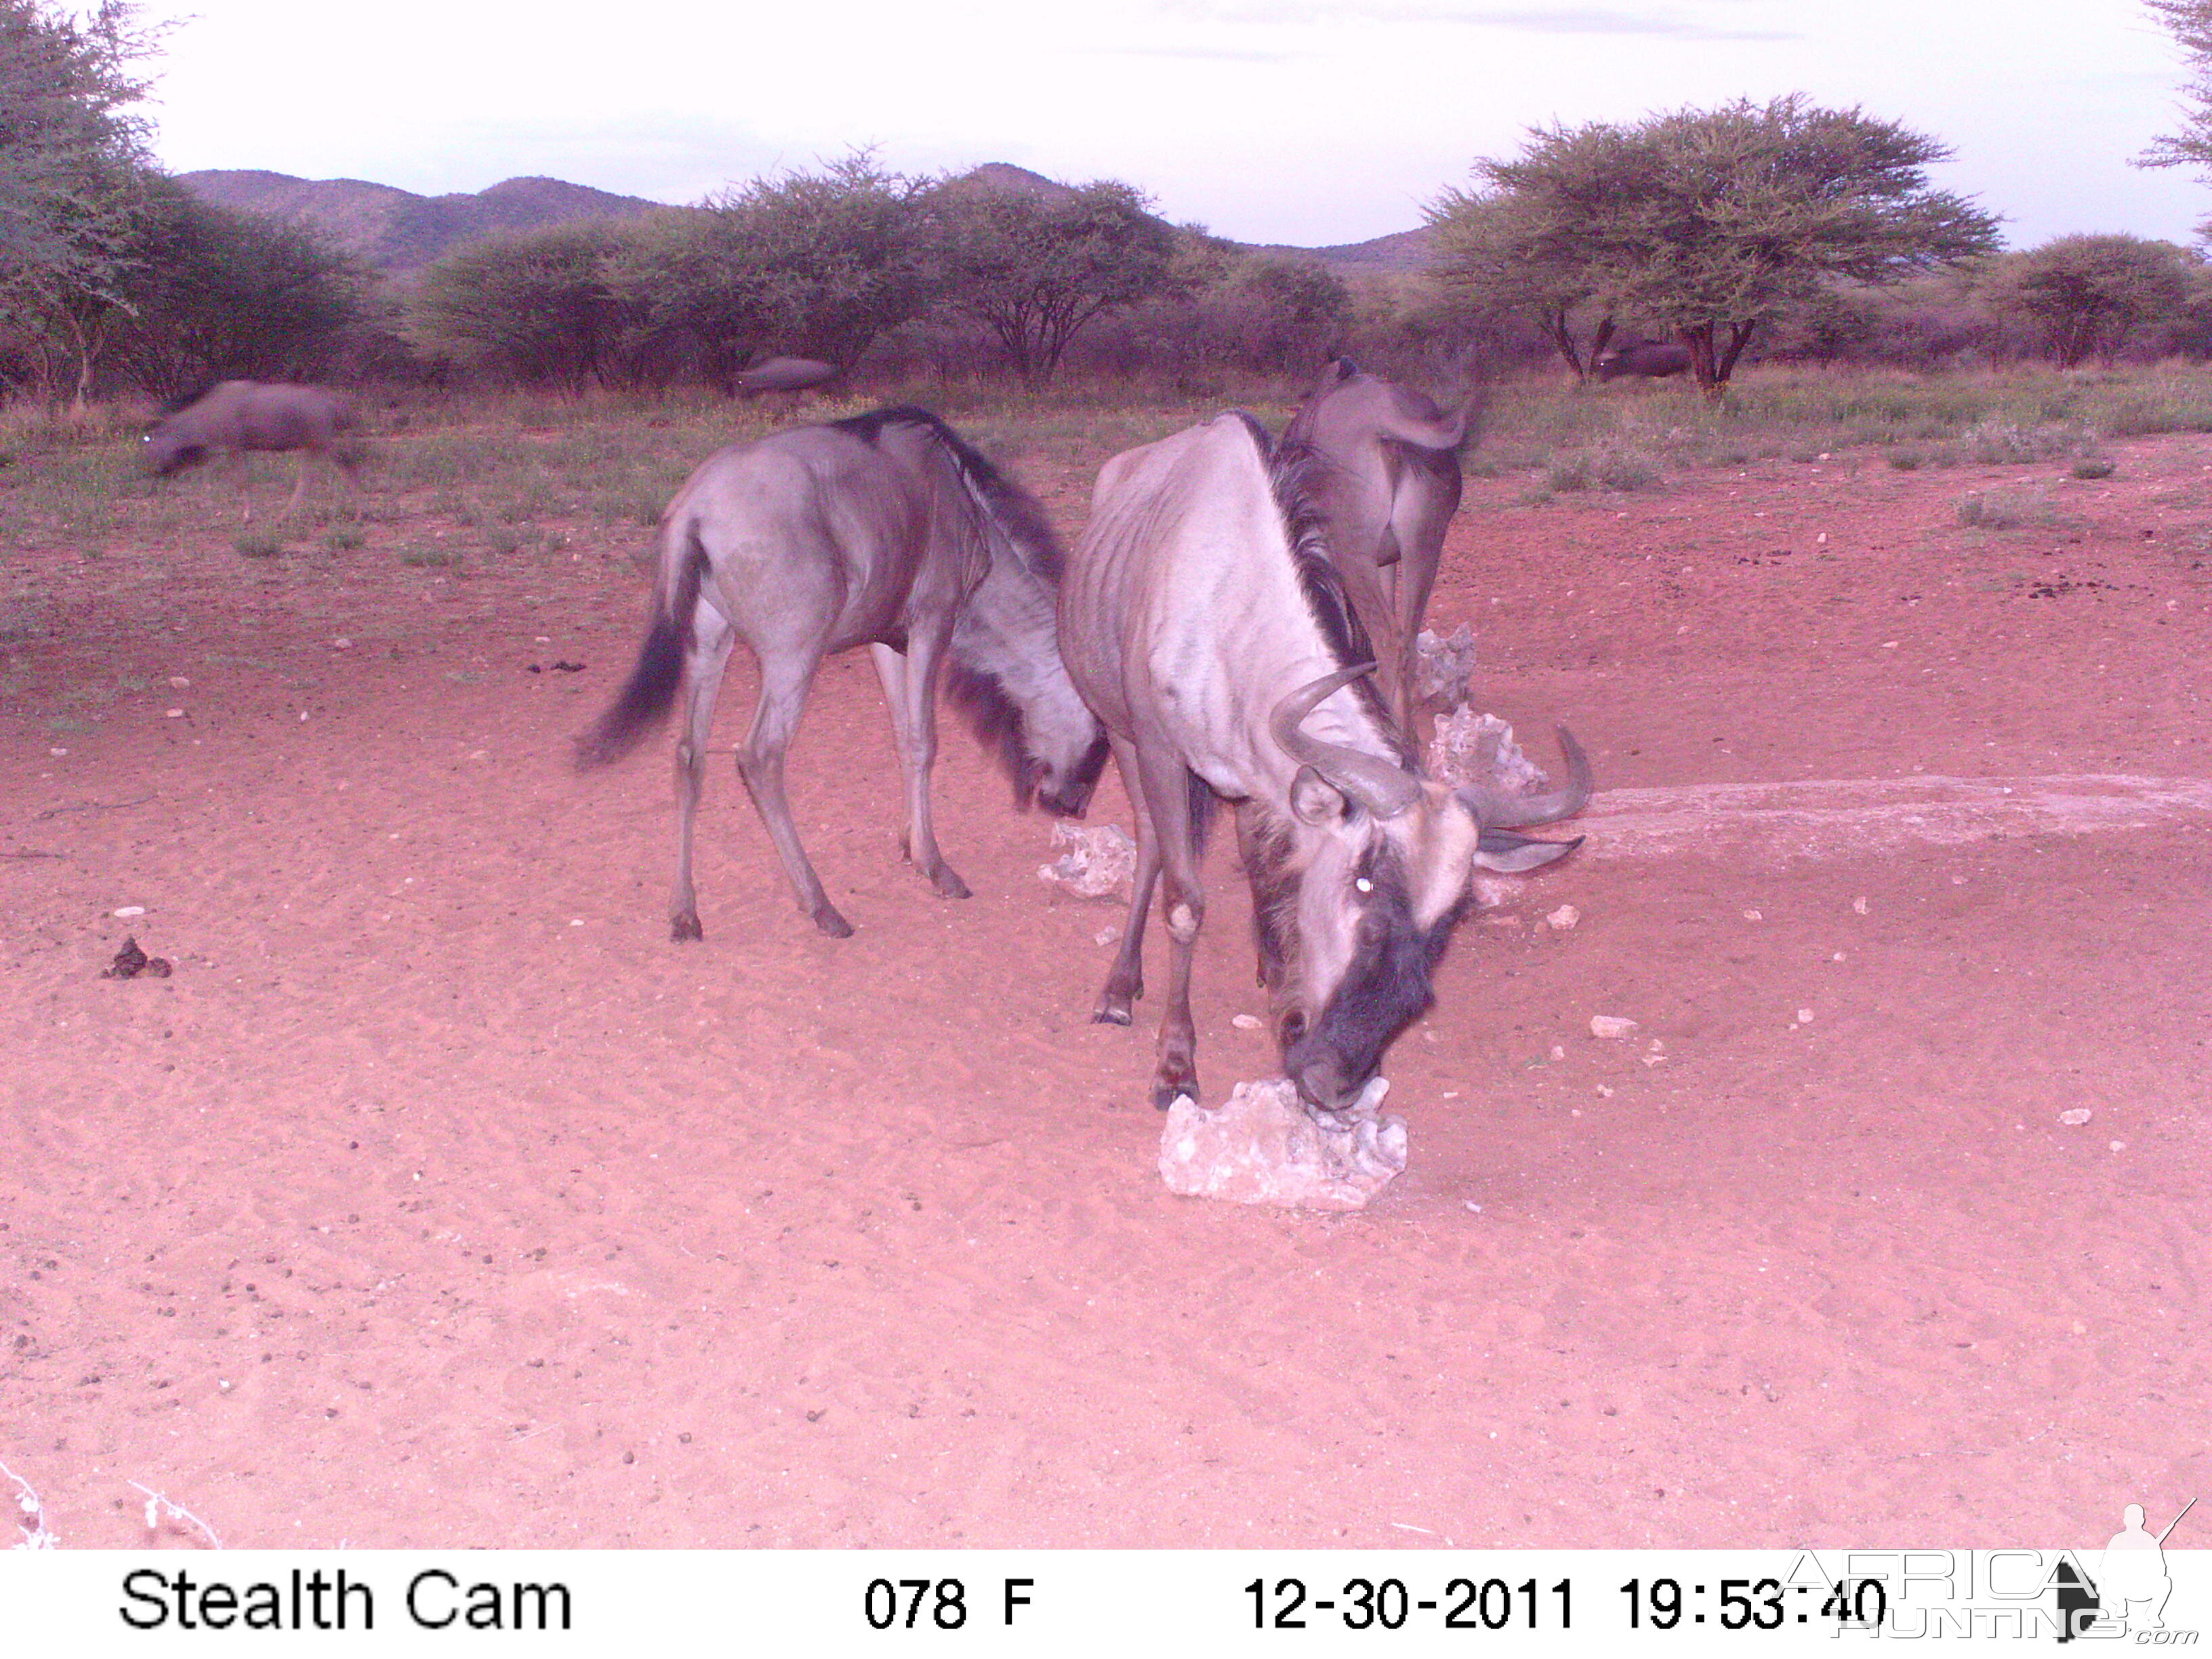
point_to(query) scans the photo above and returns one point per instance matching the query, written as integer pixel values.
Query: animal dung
(1098, 861)
(131, 962)
(1263, 1147)
(1478, 748)
(1610, 1026)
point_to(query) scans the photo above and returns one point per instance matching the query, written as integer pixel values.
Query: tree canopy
(1706, 223)
(2089, 294)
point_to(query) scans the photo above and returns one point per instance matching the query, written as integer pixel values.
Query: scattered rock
(1100, 861)
(1804, 1015)
(1443, 668)
(1754, 915)
(129, 910)
(2076, 1117)
(1472, 748)
(1859, 905)
(1610, 1026)
(1246, 1022)
(131, 962)
(1565, 918)
(1264, 1148)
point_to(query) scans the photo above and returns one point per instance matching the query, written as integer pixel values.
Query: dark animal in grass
(1385, 476)
(791, 375)
(1202, 617)
(1650, 360)
(236, 417)
(888, 531)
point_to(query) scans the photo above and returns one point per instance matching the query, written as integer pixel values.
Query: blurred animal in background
(1650, 360)
(237, 417)
(788, 375)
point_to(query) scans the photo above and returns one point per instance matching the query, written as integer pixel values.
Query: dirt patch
(436, 1198)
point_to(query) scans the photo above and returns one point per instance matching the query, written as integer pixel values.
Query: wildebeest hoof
(831, 923)
(1165, 1094)
(685, 927)
(949, 885)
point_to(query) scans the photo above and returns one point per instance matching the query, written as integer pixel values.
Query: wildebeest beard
(1387, 983)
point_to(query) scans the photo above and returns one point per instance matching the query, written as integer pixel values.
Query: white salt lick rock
(1263, 1148)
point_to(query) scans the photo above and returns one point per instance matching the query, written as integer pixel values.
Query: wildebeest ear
(1504, 851)
(1316, 800)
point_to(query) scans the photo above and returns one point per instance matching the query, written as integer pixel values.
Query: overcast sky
(1310, 122)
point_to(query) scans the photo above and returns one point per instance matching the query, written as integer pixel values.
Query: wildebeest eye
(1364, 885)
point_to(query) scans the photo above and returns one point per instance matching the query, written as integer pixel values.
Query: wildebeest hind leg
(710, 657)
(909, 687)
(1125, 981)
(784, 682)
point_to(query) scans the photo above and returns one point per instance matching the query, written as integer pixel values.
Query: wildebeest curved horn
(1382, 788)
(1502, 812)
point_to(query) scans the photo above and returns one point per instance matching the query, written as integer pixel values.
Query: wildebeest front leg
(784, 682)
(1125, 981)
(910, 686)
(710, 656)
(1182, 907)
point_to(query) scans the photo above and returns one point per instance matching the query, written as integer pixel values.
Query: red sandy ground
(438, 1199)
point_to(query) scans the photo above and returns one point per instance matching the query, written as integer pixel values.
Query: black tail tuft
(650, 691)
(1203, 805)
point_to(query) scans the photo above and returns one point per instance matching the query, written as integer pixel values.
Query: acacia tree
(1711, 222)
(2190, 23)
(536, 305)
(73, 162)
(1496, 253)
(1035, 268)
(2089, 294)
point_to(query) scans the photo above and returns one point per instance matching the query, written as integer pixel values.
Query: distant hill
(398, 231)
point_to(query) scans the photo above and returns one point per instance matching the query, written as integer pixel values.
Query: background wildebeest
(1201, 618)
(884, 530)
(1653, 360)
(790, 374)
(1386, 477)
(236, 416)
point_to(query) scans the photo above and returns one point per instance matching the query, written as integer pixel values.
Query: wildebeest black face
(1385, 983)
(168, 453)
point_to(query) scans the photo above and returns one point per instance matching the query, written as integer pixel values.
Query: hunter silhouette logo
(2131, 1584)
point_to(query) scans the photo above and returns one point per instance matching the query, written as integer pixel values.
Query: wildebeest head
(1355, 896)
(170, 448)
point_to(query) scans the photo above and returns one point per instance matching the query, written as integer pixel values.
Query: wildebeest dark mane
(184, 400)
(1015, 508)
(1290, 464)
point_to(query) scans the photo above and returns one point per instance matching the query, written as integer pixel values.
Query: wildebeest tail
(650, 691)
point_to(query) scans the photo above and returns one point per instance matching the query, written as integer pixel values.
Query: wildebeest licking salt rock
(1263, 1148)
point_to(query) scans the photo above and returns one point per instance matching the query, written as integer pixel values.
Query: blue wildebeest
(885, 529)
(791, 375)
(1652, 359)
(1386, 479)
(1203, 620)
(234, 417)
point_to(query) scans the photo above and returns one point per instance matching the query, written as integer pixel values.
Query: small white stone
(179, 681)
(303, 715)
(1106, 935)
(343, 645)
(1474, 1206)
(1804, 1015)
(2075, 1117)
(58, 753)
(1753, 915)
(1558, 1051)
(1859, 905)
(1245, 1022)
(2119, 1145)
(1610, 1026)
(1564, 917)
(131, 910)
(176, 714)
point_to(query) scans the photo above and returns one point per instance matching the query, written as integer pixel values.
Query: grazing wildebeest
(236, 416)
(1386, 480)
(1654, 360)
(884, 530)
(1202, 619)
(791, 375)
